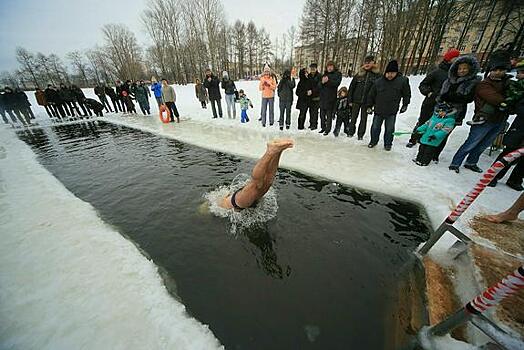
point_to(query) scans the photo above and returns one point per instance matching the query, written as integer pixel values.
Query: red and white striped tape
(486, 178)
(494, 294)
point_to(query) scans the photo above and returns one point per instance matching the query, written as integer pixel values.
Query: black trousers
(425, 154)
(357, 109)
(174, 111)
(342, 118)
(302, 118)
(116, 105)
(86, 110)
(216, 104)
(517, 173)
(49, 111)
(426, 111)
(326, 119)
(313, 114)
(107, 106)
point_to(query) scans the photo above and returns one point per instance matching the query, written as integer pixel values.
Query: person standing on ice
(384, 97)
(212, 84)
(267, 86)
(100, 92)
(41, 100)
(114, 98)
(304, 85)
(314, 95)
(66, 94)
(262, 178)
(169, 98)
(156, 87)
(201, 93)
(430, 87)
(328, 96)
(358, 91)
(142, 97)
(119, 96)
(230, 92)
(80, 98)
(343, 111)
(53, 98)
(459, 90)
(489, 118)
(285, 98)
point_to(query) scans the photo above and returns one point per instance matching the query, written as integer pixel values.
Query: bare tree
(28, 64)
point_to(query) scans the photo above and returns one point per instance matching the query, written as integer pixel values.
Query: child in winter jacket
(343, 112)
(245, 103)
(434, 131)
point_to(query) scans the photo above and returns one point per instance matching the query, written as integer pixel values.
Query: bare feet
(279, 145)
(501, 217)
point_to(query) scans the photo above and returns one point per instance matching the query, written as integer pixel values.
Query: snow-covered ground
(45, 257)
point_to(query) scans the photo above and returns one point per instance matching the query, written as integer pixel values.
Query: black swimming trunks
(234, 202)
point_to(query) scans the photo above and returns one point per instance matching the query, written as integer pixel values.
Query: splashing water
(265, 209)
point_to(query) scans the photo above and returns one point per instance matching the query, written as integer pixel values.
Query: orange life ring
(165, 118)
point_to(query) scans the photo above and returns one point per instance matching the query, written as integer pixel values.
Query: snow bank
(68, 280)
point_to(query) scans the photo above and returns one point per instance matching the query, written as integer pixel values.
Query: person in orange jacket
(268, 86)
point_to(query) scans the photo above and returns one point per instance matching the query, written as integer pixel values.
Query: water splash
(265, 209)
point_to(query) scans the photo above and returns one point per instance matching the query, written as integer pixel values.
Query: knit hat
(499, 59)
(267, 68)
(313, 65)
(392, 66)
(451, 54)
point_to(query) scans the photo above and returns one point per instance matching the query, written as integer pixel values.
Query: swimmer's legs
(262, 176)
(510, 214)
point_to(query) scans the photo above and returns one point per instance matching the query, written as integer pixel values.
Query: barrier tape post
(464, 204)
(489, 298)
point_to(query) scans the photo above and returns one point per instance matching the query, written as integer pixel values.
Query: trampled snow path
(127, 278)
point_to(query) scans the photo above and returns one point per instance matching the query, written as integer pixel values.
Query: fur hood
(473, 63)
(374, 69)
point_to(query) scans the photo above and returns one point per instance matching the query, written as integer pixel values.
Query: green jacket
(244, 103)
(436, 129)
(142, 94)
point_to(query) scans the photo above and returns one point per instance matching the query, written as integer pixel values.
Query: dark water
(325, 274)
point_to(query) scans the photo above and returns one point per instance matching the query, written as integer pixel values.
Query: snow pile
(68, 280)
(264, 210)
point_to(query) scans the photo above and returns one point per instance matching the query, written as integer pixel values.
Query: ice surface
(70, 281)
(342, 160)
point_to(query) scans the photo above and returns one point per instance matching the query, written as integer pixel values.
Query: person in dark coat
(459, 90)
(328, 88)
(100, 92)
(430, 87)
(343, 112)
(79, 98)
(55, 101)
(22, 106)
(2, 108)
(285, 98)
(68, 98)
(230, 92)
(358, 91)
(42, 101)
(314, 96)
(119, 88)
(490, 93)
(303, 103)
(514, 137)
(142, 95)
(384, 97)
(201, 93)
(96, 107)
(12, 106)
(212, 84)
(114, 98)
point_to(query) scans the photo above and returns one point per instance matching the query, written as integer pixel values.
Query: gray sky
(61, 26)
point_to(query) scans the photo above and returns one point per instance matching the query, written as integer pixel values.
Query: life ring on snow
(165, 114)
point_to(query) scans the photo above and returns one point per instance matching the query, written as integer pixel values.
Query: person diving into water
(261, 180)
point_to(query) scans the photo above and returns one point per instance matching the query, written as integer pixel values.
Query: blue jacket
(157, 89)
(437, 128)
